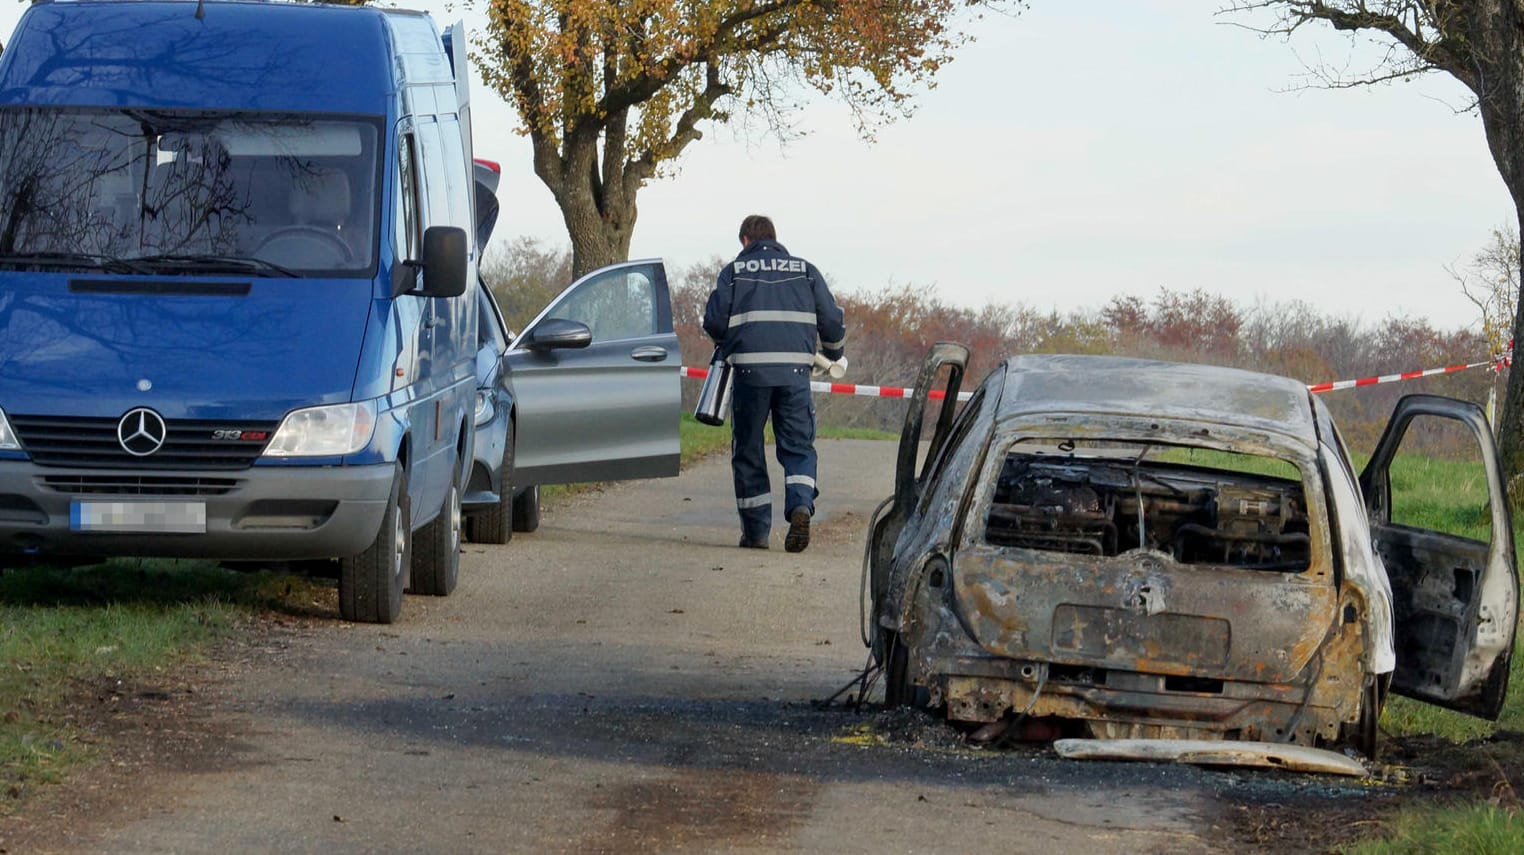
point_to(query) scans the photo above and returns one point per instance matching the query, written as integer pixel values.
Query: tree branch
(1416, 26)
(684, 132)
(641, 87)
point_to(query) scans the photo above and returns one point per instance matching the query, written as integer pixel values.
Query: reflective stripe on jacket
(767, 310)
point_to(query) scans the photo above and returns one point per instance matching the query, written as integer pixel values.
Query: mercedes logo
(141, 432)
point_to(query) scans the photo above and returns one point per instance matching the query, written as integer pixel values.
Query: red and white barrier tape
(1498, 364)
(1406, 375)
(844, 388)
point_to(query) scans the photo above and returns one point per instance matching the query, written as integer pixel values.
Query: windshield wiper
(217, 264)
(76, 261)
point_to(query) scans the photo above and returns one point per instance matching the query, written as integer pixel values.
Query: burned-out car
(1152, 550)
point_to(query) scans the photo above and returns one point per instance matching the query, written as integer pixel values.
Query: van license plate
(154, 517)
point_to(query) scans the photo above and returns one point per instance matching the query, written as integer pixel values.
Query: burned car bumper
(1126, 673)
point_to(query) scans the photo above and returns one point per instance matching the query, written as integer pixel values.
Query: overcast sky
(1085, 150)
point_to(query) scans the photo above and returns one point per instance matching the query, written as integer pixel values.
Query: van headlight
(484, 408)
(8, 440)
(324, 431)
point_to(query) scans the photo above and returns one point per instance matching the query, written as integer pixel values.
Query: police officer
(765, 313)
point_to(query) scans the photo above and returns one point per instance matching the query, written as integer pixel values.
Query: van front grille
(138, 485)
(188, 444)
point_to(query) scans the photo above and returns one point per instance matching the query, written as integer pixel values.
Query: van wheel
(436, 549)
(526, 509)
(495, 524)
(370, 584)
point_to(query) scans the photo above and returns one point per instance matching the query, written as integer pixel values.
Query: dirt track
(623, 680)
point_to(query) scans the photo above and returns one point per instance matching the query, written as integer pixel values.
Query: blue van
(235, 240)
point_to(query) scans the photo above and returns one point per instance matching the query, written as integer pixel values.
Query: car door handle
(649, 353)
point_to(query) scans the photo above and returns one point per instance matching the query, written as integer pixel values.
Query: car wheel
(897, 689)
(1365, 732)
(436, 549)
(526, 509)
(495, 524)
(370, 584)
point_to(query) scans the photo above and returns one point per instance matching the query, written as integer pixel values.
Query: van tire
(436, 547)
(370, 584)
(496, 524)
(526, 509)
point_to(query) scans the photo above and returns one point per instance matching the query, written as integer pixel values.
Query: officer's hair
(757, 227)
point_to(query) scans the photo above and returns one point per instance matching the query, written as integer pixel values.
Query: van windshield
(176, 191)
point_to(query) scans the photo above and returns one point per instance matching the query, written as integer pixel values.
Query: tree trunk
(600, 223)
(1499, 86)
(1511, 428)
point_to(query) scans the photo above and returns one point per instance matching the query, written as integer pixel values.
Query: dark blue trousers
(792, 409)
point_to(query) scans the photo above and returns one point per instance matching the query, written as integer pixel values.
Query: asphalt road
(627, 680)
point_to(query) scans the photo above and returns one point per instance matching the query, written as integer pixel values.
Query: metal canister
(714, 397)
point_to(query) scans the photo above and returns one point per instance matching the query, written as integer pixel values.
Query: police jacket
(766, 311)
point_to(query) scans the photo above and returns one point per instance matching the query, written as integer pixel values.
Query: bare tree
(1491, 283)
(1478, 42)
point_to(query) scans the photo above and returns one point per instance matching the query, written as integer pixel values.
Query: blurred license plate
(157, 517)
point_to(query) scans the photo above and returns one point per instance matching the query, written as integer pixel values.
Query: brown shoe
(798, 536)
(748, 543)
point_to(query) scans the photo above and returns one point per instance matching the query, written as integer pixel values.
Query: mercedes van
(234, 320)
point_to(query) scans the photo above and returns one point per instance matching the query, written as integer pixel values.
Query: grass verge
(1451, 496)
(1474, 829)
(64, 630)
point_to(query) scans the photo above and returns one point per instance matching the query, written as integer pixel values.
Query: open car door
(595, 381)
(941, 377)
(1454, 598)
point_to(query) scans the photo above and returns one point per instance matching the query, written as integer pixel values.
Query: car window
(408, 232)
(489, 325)
(432, 161)
(618, 304)
(1438, 481)
(961, 425)
(1105, 498)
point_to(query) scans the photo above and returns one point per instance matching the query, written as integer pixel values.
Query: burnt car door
(941, 377)
(1454, 597)
(595, 381)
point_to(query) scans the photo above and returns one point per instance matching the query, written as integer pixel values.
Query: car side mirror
(559, 333)
(445, 254)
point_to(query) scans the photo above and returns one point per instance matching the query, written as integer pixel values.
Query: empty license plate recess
(141, 517)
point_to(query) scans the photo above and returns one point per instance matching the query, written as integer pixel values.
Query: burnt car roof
(1040, 384)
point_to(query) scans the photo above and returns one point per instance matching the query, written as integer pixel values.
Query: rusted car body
(1160, 550)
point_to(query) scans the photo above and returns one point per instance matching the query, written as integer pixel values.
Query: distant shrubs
(889, 331)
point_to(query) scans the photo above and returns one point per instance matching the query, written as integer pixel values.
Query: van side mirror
(444, 261)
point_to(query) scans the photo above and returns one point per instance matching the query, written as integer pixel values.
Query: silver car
(589, 391)
(1133, 549)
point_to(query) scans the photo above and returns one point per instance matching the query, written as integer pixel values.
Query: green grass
(1444, 495)
(701, 440)
(1475, 829)
(1450, 496)
(64, 630)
